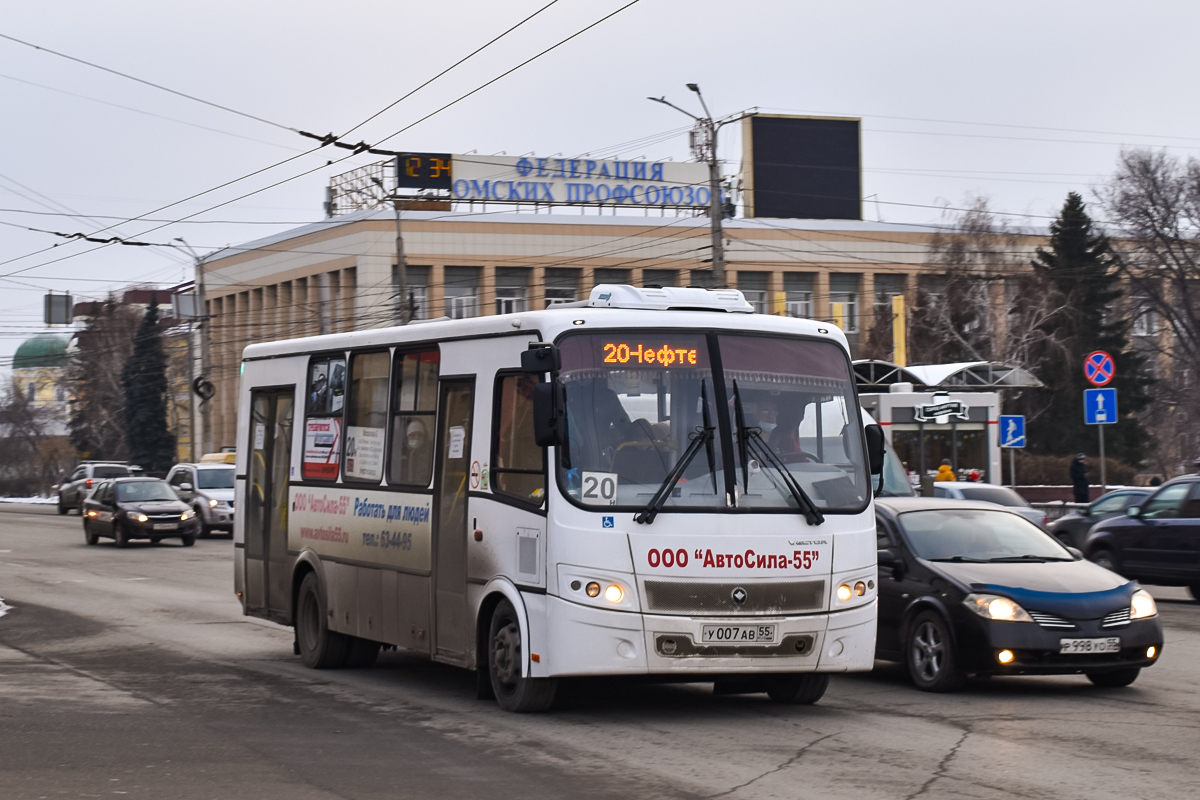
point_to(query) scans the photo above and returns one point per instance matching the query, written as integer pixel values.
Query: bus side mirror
(540, 358)
(548, 413)
(875, 447)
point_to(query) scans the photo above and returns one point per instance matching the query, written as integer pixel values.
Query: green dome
(43, 350)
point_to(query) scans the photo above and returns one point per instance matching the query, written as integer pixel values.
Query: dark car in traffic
(124, 509)
(969, 588)
(1157, 541)
(1072, 528)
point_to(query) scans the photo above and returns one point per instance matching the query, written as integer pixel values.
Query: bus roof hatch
(609, 295)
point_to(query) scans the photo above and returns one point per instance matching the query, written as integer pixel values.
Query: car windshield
(144, 492)
(636, 400)
(977, 535)
(110, 472)
(214, 478)
(993, 494)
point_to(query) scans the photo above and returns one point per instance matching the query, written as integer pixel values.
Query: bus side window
(518, 464)
(414, 406)
(366, 416)
(323, 419)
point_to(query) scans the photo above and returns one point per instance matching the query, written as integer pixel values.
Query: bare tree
(24, 462)
(1153, 200)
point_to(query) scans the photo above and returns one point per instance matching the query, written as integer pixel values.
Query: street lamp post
(716, 211)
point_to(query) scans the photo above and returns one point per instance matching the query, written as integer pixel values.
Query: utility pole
(716, 210)
(401, 262)
(201, 314)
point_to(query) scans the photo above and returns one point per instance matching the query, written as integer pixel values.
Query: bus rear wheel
(505, 657)
(320, 648)
(801, 690)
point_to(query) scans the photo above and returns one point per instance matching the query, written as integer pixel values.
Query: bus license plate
(737, 634)
(165, 526)
(1076, 646)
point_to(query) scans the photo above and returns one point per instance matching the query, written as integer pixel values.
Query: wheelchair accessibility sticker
(607, 522)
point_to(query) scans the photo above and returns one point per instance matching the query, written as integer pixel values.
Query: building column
(866, 300)
(437, 291)
(537, 288)
(821, 308)
(778, 299)
(487, 290)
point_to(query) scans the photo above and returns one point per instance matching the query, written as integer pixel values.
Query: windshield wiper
(703, 437)
(750, 442)
(1027, 557)
(962, 560)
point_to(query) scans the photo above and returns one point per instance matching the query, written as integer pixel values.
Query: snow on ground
(43, 500)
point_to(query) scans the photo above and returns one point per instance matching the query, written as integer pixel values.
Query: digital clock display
(662, 355)
(423, 171)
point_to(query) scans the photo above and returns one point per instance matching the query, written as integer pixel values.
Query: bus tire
(320, 648)
(504, 660)
(361, 653)
(801, 690)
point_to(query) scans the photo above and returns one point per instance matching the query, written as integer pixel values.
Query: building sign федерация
(579, 181)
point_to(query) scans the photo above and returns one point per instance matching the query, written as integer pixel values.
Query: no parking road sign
(1012, 430)
(1099, 368)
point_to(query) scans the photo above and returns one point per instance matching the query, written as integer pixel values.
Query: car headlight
(1142, 605)
(212, 503)
(187, 515)
(993, 606)
(142, 518)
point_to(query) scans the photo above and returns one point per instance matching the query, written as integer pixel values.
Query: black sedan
(1157, 541)
(138, 508)
(968, 588)
(1072, 529)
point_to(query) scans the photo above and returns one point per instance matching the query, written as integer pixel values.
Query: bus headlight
(992, 606)
(844, 592)
(614, 593)
(592, 589)
(1142, 605)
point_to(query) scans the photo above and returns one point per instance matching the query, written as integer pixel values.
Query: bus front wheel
(505, 658)
(320, 648)
(802, 690)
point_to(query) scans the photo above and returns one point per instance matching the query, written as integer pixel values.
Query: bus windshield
(636, 398)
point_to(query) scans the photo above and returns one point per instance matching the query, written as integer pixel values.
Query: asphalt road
(132, 673)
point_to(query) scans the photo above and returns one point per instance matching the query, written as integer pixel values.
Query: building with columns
(339, 274)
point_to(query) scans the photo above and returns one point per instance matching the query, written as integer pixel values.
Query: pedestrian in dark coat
(1079, 479)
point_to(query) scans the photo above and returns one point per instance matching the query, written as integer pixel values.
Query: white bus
(651, 482)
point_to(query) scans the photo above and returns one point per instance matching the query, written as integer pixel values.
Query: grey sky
(934, 82)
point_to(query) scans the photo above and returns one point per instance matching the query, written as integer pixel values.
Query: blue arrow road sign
(1012, 430)
(1100, 406)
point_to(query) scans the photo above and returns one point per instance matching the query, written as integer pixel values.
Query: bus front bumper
(582, 640)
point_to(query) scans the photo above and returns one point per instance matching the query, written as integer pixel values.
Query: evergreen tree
(151, 443)
(1079, 269)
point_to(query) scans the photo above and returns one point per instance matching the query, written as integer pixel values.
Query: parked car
(123, 509)
(1157, 541)
(973, 588)
(991, 493)
(74, 489)
(1072, 529)
(208, 488)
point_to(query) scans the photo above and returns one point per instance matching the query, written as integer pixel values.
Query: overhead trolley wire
(152, 84)
(315, 169)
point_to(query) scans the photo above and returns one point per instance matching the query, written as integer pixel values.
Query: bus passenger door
(452, 637)
(270, 447)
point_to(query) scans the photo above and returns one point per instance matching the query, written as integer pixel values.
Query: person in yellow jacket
(945, 472)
